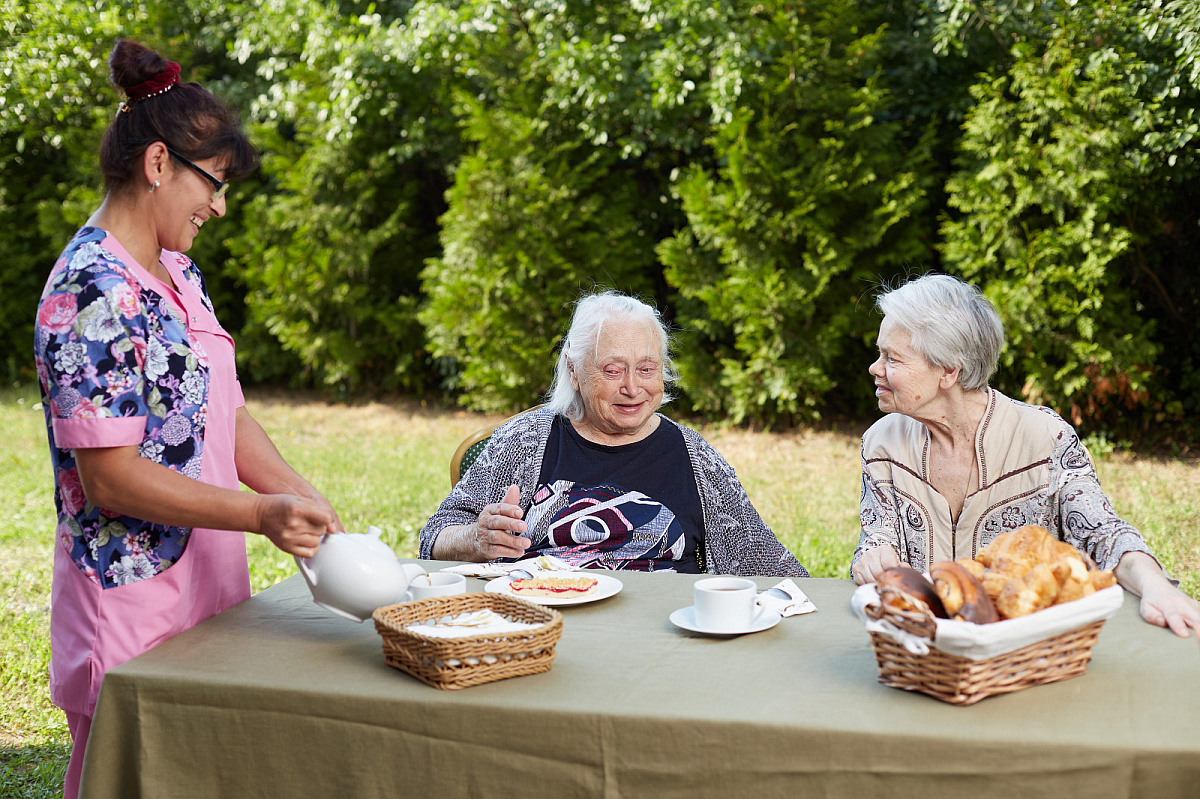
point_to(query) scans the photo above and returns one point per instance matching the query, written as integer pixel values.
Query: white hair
(951, 325)
(592, 313)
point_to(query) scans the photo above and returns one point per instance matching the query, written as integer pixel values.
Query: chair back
(471, 447)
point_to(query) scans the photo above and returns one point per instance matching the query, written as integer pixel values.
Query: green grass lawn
(388, 465)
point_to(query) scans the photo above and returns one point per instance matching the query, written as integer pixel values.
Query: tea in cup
(724, 604)
(424, 586)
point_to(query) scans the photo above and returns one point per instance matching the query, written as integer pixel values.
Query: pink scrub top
(109, 606)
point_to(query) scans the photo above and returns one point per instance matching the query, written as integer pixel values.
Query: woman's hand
(334, 526)
(296, 524)
(1166, 606)
(867, 568)
(496, 533)
(1162, 604)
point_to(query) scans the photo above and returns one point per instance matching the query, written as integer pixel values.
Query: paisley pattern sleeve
(1086, 515)
(879, 520)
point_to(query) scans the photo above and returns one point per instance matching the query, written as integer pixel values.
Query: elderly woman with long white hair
(956, 463)
(598, 477)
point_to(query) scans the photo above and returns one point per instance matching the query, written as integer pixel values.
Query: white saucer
(686, 619)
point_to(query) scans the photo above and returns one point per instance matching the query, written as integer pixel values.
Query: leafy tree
(1072, 201)
(358, 140)
(814, 201)
(577, 115)
(529, 229)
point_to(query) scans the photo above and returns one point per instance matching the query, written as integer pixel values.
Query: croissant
(1022, 549)
(962, 595)
(1024, 595)
(1073, 580)
(976, 568)
(902, 587)
(993, 579)
(1102, 579)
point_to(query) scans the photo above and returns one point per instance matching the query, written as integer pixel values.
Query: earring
(155, 186)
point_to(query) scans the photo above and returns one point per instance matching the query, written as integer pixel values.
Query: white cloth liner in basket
(983, 641)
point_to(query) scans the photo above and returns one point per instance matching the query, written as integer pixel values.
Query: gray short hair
(951, 324)
(592, 312)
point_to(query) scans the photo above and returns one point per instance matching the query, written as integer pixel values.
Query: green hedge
(442, 179)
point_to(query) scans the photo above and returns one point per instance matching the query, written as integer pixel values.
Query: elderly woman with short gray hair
(956, 463)
(598, 477)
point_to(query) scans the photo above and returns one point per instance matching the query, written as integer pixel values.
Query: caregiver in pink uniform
(149, 434)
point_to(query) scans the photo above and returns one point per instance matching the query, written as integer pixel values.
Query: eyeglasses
(219, 186)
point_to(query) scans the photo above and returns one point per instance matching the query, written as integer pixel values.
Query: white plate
(686, 618)
(608, 587)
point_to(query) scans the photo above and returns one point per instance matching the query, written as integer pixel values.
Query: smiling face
(621, 383)
(904, 381)
(186, 203)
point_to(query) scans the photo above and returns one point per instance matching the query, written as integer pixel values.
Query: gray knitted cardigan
(736, 540)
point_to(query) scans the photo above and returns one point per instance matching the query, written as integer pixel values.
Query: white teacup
(424, 586)
(724, 604)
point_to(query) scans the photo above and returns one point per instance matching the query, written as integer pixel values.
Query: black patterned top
(736, 540)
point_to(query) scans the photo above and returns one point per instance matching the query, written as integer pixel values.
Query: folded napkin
(479, 622)
(486, 571)
(786, 599)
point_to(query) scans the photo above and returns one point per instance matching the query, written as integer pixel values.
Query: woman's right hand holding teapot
(295, 524)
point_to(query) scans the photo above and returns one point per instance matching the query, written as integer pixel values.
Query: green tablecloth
(278, 697)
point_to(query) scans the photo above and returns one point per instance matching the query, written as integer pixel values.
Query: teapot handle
(302, 563)
(309, 575)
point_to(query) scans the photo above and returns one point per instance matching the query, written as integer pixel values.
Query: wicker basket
(962, 681)
(452, 663)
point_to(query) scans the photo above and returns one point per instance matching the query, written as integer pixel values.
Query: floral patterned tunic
(1033, 469)
(118, 366)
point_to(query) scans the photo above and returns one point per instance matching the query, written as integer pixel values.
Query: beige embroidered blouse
(1033, 469)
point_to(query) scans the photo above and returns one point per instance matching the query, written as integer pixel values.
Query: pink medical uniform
(98, 622)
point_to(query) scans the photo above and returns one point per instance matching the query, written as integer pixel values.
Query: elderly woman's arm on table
(1161, 602)
(496, 533)
(1091, 524)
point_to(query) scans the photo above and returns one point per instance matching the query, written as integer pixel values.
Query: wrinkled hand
(497, 531)
(296, 524)
(874, 561)
(1166, 606)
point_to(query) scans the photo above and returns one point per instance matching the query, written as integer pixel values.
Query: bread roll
(905, 588)
(1024, 595)
(962, 595)
(976, 568)
(1072, 577)
(1022, 549)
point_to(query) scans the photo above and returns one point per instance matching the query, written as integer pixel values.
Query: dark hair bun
(131, 63)
(159, 107)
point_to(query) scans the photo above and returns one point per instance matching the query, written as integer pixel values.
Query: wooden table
(278, 697)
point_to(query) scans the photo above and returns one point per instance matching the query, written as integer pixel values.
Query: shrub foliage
(441, 180)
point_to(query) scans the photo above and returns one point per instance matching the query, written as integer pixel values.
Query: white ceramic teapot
(354, 573)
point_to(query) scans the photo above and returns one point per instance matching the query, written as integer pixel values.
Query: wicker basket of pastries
(453, 642)
(1027, 610)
